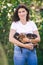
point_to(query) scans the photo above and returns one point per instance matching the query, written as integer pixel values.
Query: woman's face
(22, 13)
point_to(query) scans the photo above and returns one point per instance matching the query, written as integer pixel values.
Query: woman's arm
(36, 40)
(13, 40)
(16, 42)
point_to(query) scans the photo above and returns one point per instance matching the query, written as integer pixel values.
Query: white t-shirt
(29, 27)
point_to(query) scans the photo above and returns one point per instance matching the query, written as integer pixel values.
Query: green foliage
(6, 12)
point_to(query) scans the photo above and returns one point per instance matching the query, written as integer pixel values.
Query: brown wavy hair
(16, 17)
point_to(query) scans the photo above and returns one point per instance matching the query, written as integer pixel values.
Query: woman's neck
(23, 21)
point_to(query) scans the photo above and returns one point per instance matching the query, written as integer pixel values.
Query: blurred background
(7, 7)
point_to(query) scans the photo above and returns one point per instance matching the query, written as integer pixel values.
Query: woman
(22, 24)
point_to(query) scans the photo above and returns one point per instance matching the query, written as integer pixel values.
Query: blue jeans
(26, 57)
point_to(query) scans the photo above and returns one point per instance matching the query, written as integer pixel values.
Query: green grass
(3, 58)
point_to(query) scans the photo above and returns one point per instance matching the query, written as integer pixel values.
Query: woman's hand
(29, 46)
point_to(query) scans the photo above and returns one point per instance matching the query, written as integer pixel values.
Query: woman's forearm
(16, 42)
(35, 40)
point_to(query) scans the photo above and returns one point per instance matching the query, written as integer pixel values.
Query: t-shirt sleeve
(34, 27)
(13, 26)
